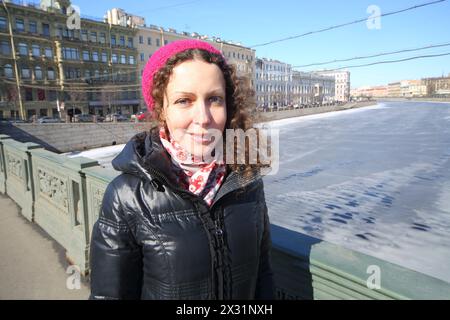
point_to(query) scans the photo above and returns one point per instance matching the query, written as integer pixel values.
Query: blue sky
(257, 21)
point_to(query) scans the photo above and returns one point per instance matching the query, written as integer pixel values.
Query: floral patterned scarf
(200, 178)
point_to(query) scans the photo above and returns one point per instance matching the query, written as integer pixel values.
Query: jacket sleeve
(115, 257)
(265, 287)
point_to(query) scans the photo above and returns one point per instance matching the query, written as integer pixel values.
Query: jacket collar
(144, 154)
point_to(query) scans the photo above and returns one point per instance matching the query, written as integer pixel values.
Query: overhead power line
(102, 75)
(373, 55)
(389, 61)
(107, 88)
(347, 24)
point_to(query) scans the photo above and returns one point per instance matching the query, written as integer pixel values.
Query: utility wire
(108, 88)
(373, 55)
(99, 76)
(389, 61)
(347, 24)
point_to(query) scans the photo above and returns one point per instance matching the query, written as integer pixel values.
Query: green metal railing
(63, 196)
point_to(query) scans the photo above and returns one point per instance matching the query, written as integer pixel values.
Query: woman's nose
(202, 113)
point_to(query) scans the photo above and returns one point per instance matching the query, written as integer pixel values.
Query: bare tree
(109, 98)
(76, 99)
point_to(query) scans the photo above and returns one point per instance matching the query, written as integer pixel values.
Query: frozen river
(374, 179)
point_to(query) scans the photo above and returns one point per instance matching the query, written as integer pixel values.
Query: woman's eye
(216, 99)
(182, 101)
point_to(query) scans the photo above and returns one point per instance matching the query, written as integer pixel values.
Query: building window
(131, 59)
(20, 25)
(141, 39)
(52, 95)
(158, 43)
(32, 26)
(102, 37)
(142, 57)
(104, 57)
(149, 41)
(122, 41)
(38, 73)
(50, 74)
(41, 95)
(84, 35)
(114, 58)
(23, 49)
(130, 42)
(48, 52)
(93, 36)
(8, 71)
(3, 23)
(25, 72)
(28, 94)
(68, 33)
(166, 42)
(46, 29)
(123, 59)
(36, 51)
(113, 40)
(87, 74)
(70, 53)
(72, 73)
(5, 48)
(95, 56)
(86, 55)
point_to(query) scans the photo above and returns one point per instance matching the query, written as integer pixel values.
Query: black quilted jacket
(154, 240)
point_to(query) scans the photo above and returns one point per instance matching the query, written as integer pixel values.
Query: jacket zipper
(217, 229)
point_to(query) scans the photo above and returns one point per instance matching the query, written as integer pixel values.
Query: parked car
(84, 118)
(140, 116)
(119, 117)
(48, 119)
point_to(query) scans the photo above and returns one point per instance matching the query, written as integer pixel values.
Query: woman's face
(195, 105)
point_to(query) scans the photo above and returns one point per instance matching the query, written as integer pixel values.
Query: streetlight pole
(16, 69)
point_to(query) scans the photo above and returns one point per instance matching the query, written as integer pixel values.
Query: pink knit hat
(159, 59)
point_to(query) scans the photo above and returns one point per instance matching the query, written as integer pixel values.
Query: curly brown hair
(240, 102)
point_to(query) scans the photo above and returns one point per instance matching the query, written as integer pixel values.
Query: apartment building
(342, 83)
(437, 86)
(394, 89)
(49, 69)
(273, 83)
(150, 38)
(310, 88)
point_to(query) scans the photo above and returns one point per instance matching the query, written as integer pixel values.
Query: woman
(172, 225)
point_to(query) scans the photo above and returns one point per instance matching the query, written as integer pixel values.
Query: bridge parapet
(64, 196)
